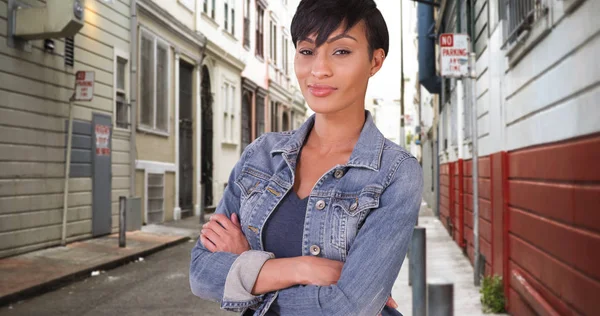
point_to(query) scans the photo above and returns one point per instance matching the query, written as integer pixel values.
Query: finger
(222, 220)
(218, 229)
(212, 236)
(235, 220)
(208, 244)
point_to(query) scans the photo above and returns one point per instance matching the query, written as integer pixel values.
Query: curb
(57, 283)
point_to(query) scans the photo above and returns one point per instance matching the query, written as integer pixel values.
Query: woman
(317, 221)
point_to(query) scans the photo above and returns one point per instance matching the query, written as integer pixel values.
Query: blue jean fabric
(361, 213)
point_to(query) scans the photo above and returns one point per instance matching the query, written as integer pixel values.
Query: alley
(158, 285)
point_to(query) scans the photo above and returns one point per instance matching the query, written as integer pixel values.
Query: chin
(323, 105)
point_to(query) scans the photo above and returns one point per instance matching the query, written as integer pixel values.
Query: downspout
(133, 95)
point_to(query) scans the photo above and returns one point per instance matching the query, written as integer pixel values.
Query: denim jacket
(361, 213)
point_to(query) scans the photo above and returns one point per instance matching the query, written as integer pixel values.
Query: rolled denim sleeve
(226, 277)
(375, 259)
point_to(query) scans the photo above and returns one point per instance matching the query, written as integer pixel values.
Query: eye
(305, 52)
(342, 52)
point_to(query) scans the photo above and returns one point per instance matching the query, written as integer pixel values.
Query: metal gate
(186, 167)
(207, 139)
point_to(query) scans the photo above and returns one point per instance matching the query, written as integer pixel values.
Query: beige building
(168, 132)
(36, 82)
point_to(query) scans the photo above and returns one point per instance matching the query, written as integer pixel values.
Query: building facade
(538, 133)
(37, 80)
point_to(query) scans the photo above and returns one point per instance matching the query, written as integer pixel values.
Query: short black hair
(322, 17)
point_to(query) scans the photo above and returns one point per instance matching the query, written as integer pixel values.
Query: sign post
(459, 62)
(454, 50)
(84, 91)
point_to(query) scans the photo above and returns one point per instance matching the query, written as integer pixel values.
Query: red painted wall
(539, 219)
(554, 223)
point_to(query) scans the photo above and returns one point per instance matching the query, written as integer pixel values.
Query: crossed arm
(359, 286)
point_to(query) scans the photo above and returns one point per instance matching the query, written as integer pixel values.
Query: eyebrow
(331, 40)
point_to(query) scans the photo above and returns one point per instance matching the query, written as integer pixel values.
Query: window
(521, 15)
(273, 46)
(229, 123)
(260, 12)
(122, 106)
(260, 115)
(284, 52)
(247, 24)
(274, 117)
(226, 15)
(154, 83)
(233, 20)
(212, 9)
(155, 198)
(205, 6)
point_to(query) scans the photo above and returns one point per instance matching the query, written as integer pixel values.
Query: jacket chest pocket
(347, 215)
(252, 185)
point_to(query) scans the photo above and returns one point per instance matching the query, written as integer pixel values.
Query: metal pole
(122, 221)
(402, 132)
(418, 262)
(133, 95)
(63, 240)
(440, 298)
(475, 137)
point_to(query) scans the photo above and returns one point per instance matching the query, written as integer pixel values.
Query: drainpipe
(63, 240)
(475, 140)
(133, 96)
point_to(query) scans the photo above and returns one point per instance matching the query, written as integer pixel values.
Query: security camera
(48, 45)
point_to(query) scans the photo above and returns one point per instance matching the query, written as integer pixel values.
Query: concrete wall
(34, 91)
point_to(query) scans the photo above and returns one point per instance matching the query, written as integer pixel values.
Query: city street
(158, 285)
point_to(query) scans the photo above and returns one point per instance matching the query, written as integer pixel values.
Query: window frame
(119, 54)
(260, 31)
(156, 41)
(229, 115)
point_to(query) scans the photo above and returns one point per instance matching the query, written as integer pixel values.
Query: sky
(386, 83)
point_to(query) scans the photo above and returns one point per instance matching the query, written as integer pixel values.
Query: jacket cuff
(241, 279)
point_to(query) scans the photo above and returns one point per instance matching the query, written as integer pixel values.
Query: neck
(337, 132)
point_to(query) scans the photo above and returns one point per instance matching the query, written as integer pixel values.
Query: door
(101, 175)
(186, 144)
(207, 140)
(246, 119)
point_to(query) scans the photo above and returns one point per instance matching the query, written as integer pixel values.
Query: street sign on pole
(455, 55)
(84, 86)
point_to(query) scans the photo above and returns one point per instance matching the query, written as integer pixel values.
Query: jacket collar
(366, 153)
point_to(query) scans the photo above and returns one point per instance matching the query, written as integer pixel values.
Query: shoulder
(399, 162)
(267, 142)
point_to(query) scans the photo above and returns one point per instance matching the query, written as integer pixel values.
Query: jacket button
(354, 206)
(315, 250)
(338, 174)
(320, 205)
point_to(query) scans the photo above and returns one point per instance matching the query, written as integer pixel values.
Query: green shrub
(492, 294)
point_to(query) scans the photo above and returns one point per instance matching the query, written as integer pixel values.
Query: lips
(321, 91)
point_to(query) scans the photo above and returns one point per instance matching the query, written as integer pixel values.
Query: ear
(377, 60)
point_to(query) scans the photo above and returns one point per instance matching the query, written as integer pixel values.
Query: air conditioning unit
(57, 19)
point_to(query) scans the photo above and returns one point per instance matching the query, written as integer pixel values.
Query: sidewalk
(43, 270)
(445, 261)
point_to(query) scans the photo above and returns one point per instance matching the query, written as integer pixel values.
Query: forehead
(358, 31)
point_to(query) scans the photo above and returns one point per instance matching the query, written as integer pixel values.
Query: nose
(321, 68)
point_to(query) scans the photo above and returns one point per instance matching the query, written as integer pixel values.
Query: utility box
(133, 208)
(57, 19)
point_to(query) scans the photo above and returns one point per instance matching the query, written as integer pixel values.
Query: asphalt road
(158, 285)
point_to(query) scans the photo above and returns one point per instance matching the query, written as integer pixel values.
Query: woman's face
(334, 76)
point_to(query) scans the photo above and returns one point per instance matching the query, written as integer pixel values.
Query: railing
(521, 15)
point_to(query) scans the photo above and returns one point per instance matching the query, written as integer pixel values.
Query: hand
(221, 234)
(319, 271)
(391, 303)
